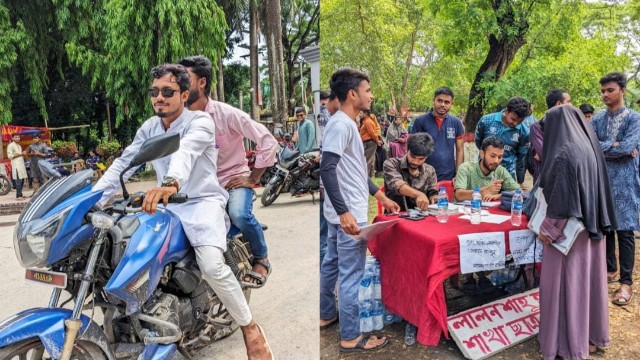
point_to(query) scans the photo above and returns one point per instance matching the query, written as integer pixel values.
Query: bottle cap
(443, 188)
(518, 191)
(476, 189)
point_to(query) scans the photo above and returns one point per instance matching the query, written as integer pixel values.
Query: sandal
(611, 278)
(360, 346)
(261, 280)
(622, 297)
(331, 322)
(265, 345)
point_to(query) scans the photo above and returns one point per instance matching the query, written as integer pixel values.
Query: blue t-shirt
(516, 142)
(443, 158)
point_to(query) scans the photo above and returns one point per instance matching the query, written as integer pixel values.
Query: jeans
(626, 251)
(239, 208)
(18, 185)
(323, 230)
(370, 147)
(344, 260)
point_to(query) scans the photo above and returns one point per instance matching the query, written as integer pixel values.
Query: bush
(64, 149)
(107, 150)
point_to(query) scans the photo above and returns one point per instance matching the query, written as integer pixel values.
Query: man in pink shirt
(232, 126)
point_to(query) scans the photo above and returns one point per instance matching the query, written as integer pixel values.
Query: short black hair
(520, 106)
(332, 96)
(492, 141)
(201, 66)
(553, 96)
(420, 144)
(324, 95)
(346, 79)
(301, 110)
(180, 72)
(616, 77)
(587, 109)
(443, 90)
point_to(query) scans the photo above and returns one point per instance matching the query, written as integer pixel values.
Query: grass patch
(373, 203)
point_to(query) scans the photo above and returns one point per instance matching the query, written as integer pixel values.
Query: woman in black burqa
(574, 317)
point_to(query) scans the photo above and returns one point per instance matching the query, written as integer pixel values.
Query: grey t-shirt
(341, 137)
(40, 147)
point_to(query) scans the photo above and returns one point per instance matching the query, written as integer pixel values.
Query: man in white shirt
(192, 170)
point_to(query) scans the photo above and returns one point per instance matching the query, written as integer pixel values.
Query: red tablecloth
(416, 257)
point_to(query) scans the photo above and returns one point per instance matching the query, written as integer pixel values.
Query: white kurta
(194, 166)
(18, 170)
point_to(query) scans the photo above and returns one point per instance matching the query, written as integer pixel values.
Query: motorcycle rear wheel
(271, 193)
(33, 349)
(5, 185)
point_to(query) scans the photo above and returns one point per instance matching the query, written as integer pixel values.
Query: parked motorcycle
(5, 183)
(138, 269)
(295, 173)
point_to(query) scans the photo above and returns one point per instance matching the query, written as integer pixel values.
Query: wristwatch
(169, 181)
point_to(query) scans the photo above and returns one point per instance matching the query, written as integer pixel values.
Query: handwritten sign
(488, 329)
(480, 252)
(523, 243)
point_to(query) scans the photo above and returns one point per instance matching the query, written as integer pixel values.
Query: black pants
(626, 251)
(19, 183)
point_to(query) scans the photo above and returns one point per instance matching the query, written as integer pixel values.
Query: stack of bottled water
(507, 276)
(370, 297)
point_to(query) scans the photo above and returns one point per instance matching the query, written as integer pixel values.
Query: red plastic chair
(380, 208)
(448, 185)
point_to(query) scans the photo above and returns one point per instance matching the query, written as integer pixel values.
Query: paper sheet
(491, 218)
(484, 203)
(523, 243)
(482, 251)
(369, 231)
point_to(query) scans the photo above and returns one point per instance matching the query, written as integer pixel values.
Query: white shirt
(341, 137)
(193, 166)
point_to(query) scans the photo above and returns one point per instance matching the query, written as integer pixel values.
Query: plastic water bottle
(365, 291)
(376, 282)
(390, 318)
(476, 206)
(366, 318)
(516, 208)
(377, 311)
(443, 206)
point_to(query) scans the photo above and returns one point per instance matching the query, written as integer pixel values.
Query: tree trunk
(273, 36)
(253, 58)
(502, 51)
(220, 84)
(214, 92)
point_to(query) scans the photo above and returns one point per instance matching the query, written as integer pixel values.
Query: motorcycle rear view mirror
(156, 148)
(152, 149)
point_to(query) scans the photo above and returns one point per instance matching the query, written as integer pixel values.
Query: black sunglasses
(166, 92)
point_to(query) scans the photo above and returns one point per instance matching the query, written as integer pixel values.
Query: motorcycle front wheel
(271, 193)
(34, 350)
(5, 185)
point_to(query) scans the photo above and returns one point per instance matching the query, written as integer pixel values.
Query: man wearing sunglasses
(192, 171)
(232, 126)
(306, 132)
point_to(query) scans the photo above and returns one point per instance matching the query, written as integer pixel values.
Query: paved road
(286, 307)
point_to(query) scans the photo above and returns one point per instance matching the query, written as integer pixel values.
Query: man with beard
(486, 174)
(618, 131)
(192, 171)
(409, 181)
(232, 126)
(447, 131)
(507, 125)
(344, 174)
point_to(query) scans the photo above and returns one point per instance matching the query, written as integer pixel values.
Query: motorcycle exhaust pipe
(150, 339)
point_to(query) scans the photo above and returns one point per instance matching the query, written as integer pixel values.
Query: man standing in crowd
(447, 131)
(232, 126)
(618, 130)
(507, 126)
(306, 132)
(587, 111)
(554, 98)
(330, 107)
(192, 171)
(18, 170)
(37, 151)
(410, 181)
(344, 174)
(371, 139)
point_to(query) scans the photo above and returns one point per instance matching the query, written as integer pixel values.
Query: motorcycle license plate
(51, 278)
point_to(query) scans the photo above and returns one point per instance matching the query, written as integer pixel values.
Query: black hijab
(574, 174)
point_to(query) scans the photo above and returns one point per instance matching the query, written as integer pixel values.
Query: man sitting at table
(409, 180)
(486, 174)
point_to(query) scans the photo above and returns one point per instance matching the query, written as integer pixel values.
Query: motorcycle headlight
(31, 240)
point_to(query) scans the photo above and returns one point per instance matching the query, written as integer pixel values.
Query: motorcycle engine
(308, 176)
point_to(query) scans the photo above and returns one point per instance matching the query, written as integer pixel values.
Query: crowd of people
(573, 154)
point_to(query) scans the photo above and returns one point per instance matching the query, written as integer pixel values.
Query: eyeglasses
(166, 92)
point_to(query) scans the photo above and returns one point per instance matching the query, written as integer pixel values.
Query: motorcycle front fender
(48, 325)
(159, 352)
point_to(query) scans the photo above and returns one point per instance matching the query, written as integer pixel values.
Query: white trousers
(223, 282)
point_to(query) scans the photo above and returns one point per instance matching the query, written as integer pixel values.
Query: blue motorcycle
(138, 269)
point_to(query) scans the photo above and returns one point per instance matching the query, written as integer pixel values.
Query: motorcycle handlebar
(178, 198)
